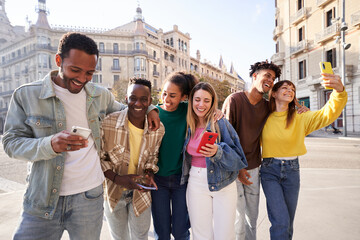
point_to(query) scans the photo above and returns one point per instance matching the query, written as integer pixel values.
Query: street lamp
(345, 46)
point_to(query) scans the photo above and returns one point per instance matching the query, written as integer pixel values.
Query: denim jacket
(223, 167)
(35, 115)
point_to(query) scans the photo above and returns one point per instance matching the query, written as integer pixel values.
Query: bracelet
(114, 177)
(147, 171)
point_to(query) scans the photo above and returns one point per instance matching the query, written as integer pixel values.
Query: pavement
(328, 206)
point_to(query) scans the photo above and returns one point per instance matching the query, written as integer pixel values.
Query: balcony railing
(153, 58)
(322, 3)
(124, 52)
(299, 16)
(327, 33)
(116, 69)
(5, 78)
(355, 19)
(6, 93)
(2, 110)
(277, 31)
(29, 53)
(278, 58)
(46, 47)
(300, 47)
(156, 74)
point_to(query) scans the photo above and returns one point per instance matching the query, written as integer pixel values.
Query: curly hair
(184, 81)
(77, 41)
(140, 81)
(265, 65)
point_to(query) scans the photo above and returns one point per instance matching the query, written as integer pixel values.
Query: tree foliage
(120, 87)
(155, 95)
(222, 88)
(119, 90)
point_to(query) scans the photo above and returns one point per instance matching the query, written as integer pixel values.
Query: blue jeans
(247, 210)
(168, 219)
(123, 224)
(280, 180)
(80, 214)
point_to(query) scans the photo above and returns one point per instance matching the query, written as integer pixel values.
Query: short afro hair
(265, 65)
(77, 41)
(140, 81)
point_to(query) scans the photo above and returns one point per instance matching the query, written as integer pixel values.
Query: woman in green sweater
(283, 141)
(169, 210)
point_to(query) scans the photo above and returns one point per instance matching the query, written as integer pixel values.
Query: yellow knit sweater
(280, 142)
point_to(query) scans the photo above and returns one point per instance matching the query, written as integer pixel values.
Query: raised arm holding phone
(283, 141)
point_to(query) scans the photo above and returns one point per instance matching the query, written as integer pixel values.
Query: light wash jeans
(247, 207)
(212, 214)
(80, 214)
(123, 224)
(280, 180)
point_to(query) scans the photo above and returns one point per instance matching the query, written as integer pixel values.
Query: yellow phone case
(325, 67)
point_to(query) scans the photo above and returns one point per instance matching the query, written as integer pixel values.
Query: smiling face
(202, 101)
(285, 93)
(171, 97)
(264, 80)
(75, 70)
(138, 99)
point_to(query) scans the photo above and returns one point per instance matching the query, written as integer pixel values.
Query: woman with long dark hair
(283, 141)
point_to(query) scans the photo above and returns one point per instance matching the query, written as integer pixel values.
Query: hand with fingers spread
(218, 114)
(332, 81)
(300, 108)
(64, 141)
(244, 176)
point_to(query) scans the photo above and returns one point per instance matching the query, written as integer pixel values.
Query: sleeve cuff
(152, 107)
(152, 167)
(218, 154)
(48, 148)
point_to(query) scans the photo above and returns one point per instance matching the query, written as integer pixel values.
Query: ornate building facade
(133, 49)
(308, 32)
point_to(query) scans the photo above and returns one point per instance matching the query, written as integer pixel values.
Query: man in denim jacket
(65, 182)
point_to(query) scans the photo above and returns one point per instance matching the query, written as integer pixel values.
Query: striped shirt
(115, 155)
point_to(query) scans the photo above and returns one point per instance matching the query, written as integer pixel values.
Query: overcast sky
(239, 30)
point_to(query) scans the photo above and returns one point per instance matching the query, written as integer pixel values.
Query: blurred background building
(308, 32)
(133, 49)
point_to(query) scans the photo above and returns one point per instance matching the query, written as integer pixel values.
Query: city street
(328, 205)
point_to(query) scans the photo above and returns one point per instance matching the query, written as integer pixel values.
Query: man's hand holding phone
(80, 131)
(64, 141)
(147, 182)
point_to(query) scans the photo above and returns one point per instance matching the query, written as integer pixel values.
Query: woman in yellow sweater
(283, 141)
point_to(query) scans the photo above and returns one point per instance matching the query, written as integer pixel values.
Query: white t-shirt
(82, 169)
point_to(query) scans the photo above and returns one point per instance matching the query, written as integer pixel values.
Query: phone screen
(146, 187)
